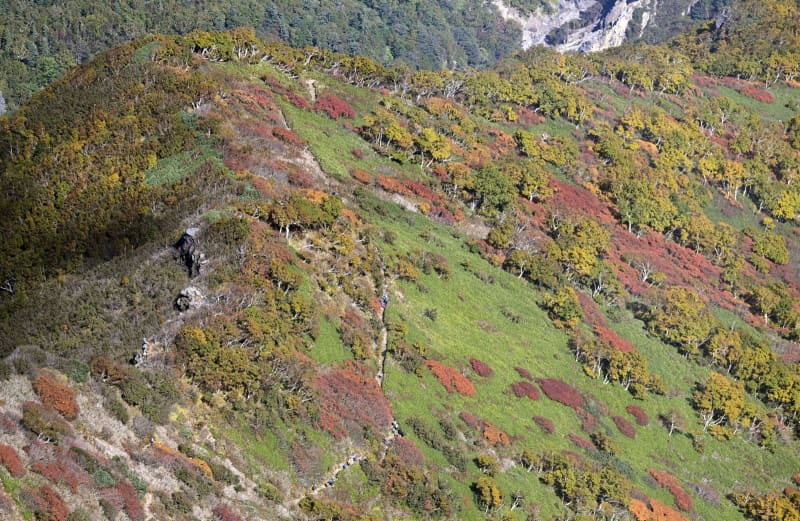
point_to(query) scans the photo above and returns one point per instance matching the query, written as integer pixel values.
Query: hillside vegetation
(242, 280)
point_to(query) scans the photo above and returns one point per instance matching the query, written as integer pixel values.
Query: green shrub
(103, 478)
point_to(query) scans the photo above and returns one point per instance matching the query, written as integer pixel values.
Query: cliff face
(594, 25)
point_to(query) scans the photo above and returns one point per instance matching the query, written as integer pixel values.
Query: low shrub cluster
(638, 414)
(682, 499)
(545, 424)
(521, 389)
(624, 426)
(11, 461)
(451, 379)
(56, 395)
(561, 392)
(480, 368)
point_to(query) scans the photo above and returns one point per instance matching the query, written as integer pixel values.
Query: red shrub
(60, 470)
(560, 392)
(300, 177)
(582, 443)
(7, 425)
(223, 512)
(407, 451)
(451, 379)
(639, 415)
(390, 184)
(357, 153)
(130, 501)
(545, 424)
(588, 420)
(57, 395)
(624, 426)
(334, 107)
(288, 137)
(46, 504)
(757, 94)
(671, 483)
(10, 460)
(297, 100)
(480, 367)
(469, 419)
(524, 373)
(350, 401)
(610, 337)
(521, 389)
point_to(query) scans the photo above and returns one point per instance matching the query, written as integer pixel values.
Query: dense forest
(245, 280)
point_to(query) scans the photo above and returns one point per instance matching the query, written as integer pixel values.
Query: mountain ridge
(628, 291)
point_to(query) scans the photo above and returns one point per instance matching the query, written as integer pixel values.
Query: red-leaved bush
(334, 107)
(350, 400)
(480, 368)
(223, 512)
(545, 424)
(361, 175)
(60, 470)
(407, 451)
(11, 461)
(560, 392)
(757, 94)
(46, 504)
(638, 414)
(288, 137)
(523, 373)
(451, 379)
(582, 443)
(588, 420)
(521, 389)
(57, 395)
(469, 419)
(624, 426)
(298, 101)
(671, 483)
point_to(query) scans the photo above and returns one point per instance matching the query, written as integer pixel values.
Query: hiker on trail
(384, 300)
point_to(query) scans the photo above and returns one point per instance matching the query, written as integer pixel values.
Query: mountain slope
(564, 287)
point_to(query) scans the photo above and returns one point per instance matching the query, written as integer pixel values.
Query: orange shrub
(10, 460)
(452, 380)
(197, 463)
(494, 435)
(361, 175)
(57, 395)
(671, 483)
(653, 510)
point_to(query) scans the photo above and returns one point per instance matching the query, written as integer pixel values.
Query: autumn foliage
(494, 435)
(407, 451)
(223, 512)
(639, 415)
(523, 373)
(46, 504)
(469, 419)
(523, 388)
(11, 461)
(671, 483)
(480, 368)
(624, 426)
(582, 443)
(334, 107)
(653, 510)
(560, 392)
(288, 137)
(57, 395)
(351, 400)
(545, 424)
(451, 379)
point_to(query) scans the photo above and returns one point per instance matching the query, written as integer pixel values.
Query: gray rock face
(594, 25)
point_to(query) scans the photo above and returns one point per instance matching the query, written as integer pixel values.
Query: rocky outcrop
(594, 25)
